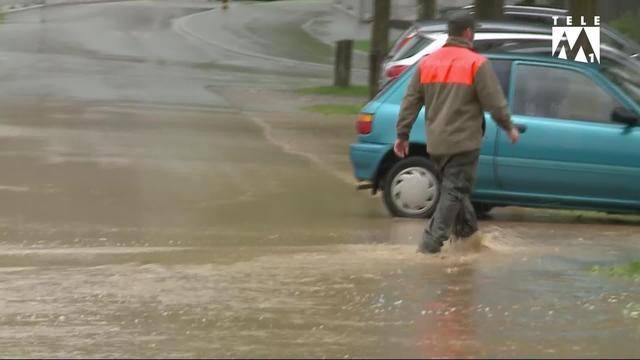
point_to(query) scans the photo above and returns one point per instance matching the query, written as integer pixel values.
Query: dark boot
(429, 245)
(463, 230)
(466, 223)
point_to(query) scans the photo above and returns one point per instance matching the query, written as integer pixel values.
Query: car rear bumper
(365, 159)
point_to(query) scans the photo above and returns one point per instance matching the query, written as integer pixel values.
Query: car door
(486, 183)
(570, 153)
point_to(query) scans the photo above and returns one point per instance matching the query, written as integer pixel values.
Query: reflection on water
(448, 327)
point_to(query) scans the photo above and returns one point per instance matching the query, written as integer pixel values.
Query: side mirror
(624, 116)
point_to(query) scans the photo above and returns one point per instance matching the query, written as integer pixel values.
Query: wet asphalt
(164, 195)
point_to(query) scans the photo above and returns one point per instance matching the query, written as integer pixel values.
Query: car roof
(515, 12)
(487, 26)
(606, 52)
(536, 10)
(538, 59)
(493, 36)
(523, 18)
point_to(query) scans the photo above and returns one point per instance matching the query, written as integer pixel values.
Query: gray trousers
(454, 212)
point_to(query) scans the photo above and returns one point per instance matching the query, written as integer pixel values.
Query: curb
(26, 8)
(180, 27)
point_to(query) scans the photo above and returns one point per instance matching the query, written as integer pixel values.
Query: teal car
(579, 146)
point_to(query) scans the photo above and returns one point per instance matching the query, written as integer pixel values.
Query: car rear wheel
(411, 188)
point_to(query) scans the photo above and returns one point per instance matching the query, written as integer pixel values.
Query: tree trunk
(488, 9)
(342, 66)
(379, 42)
(427, 9)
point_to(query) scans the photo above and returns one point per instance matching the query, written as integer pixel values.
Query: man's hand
(514, 135)
(401, 148)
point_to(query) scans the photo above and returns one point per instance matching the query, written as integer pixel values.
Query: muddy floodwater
(161, 196)
(200, 237)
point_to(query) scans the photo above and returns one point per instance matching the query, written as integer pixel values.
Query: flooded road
(163, 198)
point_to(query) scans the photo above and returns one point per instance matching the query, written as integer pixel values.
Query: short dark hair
(459, 23)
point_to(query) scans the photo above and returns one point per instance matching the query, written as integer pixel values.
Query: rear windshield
(412, 47)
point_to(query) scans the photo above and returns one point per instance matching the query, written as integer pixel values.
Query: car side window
(503, 70)
(560, 93)
(412, 47)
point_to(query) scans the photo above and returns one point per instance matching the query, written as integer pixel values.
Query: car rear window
(412, 47)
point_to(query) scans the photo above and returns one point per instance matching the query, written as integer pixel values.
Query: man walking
(455, 84)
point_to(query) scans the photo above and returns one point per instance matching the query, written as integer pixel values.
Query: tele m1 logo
(577, 43)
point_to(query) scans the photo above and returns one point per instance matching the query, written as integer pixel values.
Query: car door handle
(521, 128)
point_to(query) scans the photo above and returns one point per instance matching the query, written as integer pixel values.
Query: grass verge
(355, 91)
(335, 109)
(630, 270)
(362, 45)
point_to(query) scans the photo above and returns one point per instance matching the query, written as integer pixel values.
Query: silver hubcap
(414, 190)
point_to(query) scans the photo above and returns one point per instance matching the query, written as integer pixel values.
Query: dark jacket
(455, 84)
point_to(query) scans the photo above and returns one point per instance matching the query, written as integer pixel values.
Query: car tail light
(363, 125)
(395, 71)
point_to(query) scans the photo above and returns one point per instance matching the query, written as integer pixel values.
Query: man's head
(462, 25)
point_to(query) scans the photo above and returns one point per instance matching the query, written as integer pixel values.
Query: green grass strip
(335, 109)
(355, 91)
(362, 45)
(630, 270)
